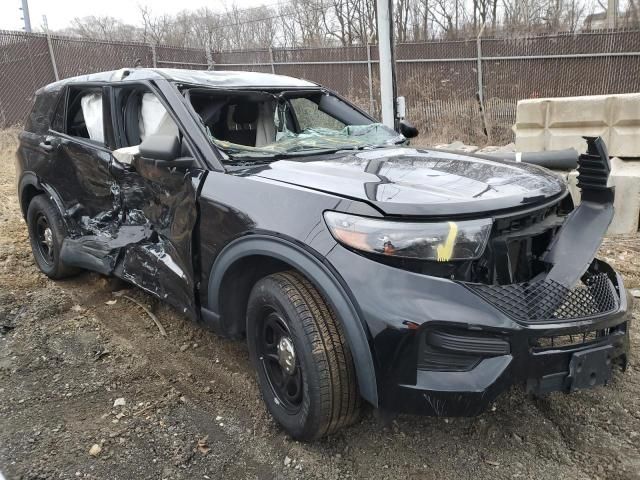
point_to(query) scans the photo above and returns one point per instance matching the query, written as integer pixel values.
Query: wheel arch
(28, 188)
(31, 186)
(287, 253)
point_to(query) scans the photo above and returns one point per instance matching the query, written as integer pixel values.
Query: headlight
(441, 241)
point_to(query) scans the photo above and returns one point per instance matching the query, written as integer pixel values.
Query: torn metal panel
(100, 252)
(579, 238)
(162, 202)
(143, 234)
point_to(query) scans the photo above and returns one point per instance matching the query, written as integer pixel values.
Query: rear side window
(57, 120)
(84, 114)
(38, 120)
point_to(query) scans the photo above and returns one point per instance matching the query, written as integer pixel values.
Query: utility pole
(52, 55)
(387, 100)
(25, 16)
(612, 13)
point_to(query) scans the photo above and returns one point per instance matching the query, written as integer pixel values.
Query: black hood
(406, 181)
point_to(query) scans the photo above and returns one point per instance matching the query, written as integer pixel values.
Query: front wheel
(305, 368)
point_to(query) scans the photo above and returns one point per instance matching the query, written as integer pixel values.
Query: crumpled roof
(216, 78)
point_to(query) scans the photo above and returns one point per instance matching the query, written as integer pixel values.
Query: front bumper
(542, 367)
(408, 314)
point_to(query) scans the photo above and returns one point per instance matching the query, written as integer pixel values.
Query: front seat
(245, 116)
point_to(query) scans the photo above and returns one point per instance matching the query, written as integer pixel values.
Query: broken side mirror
(408, 130)
(160, 147)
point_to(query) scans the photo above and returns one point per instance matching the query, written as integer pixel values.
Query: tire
(328, 397)
(42, 215)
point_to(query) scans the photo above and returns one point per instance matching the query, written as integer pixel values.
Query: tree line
(319, 23)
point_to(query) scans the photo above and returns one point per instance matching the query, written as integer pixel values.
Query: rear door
(79, 155)
(158, 202)
(84, 159)
(79, 150)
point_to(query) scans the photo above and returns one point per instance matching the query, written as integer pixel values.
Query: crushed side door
(159, 200)
(159, 216)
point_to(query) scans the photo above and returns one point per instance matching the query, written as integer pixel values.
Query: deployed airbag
(154, 118)
(92, 112)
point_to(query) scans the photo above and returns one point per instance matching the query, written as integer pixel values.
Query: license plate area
(590, 368)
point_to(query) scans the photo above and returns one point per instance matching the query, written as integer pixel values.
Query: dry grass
(8, 146)
(8, 141)
(14, 258)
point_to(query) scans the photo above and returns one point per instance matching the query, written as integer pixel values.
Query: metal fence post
(273, 66)
(154, 55)
(207, 53)
(480, 83)
(371, 104)
(52, 56)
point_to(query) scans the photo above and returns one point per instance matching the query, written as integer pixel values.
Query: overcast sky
(60, 12)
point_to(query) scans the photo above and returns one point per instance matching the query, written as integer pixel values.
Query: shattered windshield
(314, 139)
(260, 125)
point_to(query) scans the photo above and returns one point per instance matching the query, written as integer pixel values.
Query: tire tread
(340, 402)
(41, 203)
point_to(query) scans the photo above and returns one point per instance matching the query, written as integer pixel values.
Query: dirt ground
(192, 409)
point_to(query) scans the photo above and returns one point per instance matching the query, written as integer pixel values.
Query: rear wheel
(305, 368)
(46, 232)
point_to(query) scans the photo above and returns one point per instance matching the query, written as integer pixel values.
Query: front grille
(546, 300)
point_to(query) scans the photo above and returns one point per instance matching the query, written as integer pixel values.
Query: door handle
(46, 145)
(49, 143)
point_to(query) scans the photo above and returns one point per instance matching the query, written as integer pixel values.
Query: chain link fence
(447, 84)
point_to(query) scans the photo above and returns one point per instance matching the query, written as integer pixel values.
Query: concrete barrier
(625, 177)
(560, 123)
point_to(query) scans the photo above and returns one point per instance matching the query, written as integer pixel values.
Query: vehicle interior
(268, 122)
(244, 119)
(241, 123)
(84, 115)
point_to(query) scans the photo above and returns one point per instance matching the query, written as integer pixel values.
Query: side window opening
(84, 114)
(140, 113)
(154, 118)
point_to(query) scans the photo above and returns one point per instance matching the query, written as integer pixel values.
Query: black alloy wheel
(44, 238)
(297, 345)
(278, 357)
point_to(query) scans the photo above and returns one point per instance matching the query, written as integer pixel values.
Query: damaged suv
(357, 268)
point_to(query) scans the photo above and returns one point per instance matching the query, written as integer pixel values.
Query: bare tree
(313, 23)
(103, 28)
(156, 29)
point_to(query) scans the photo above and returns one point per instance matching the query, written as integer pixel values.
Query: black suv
(270, 208)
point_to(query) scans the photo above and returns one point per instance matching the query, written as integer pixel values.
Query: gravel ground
(187, 405)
